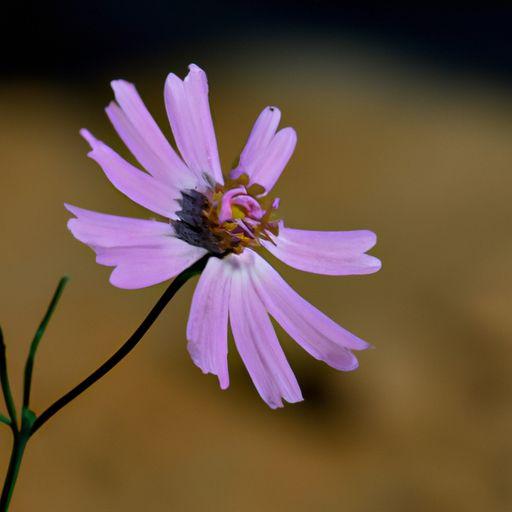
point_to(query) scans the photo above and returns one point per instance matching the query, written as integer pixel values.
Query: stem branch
(6, 388)
(29, 365)
(125, 349)
(30, 424)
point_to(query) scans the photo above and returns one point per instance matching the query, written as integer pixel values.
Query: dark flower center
(226, 218)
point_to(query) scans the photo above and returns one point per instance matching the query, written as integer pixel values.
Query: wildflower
(230, 219)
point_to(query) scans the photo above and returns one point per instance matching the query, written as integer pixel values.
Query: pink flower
(228, 218)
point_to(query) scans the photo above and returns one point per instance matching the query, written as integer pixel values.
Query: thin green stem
(18, 448)
(29, 365)
(21, 438)
(6, 388)
(29, 422)
(125, 349)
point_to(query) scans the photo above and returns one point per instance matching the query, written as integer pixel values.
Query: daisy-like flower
(230, 219)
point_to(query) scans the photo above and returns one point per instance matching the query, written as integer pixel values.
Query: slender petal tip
(89, 137)
(119, 84)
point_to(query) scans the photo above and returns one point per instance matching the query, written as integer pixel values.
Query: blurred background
(404, 120)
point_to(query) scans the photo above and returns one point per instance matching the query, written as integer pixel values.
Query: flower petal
(100, 229)
(141, 266)
(260, 137)
(334, 253)
(207, 328)
(266, 152)
(144, 139)
(137, 185)
(255, 338)
(191, 122)
(314, 331)
(144, 252)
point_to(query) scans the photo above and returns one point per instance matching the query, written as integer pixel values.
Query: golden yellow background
(423, 159)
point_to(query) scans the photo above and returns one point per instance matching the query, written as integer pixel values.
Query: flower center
(226, 218)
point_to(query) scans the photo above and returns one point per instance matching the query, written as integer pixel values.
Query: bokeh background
(404, 120)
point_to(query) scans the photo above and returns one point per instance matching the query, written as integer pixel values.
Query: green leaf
(27, 419)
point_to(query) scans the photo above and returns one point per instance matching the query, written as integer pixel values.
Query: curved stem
(29, 365)
(125, 349)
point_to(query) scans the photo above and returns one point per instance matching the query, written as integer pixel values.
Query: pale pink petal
(164, 167)
(227, 198)
(255, 338)
(313, 330)
(325, 252)
(191, 122)
(266, 152)
(141, 266)
(260, 137)
(251, 205)
(134, 277)
(271, 163)
(143, 137)
(100, 229)
(207, 328)
(135, 184)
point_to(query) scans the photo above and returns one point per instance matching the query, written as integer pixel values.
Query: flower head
(226, 218)
(230, 219)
